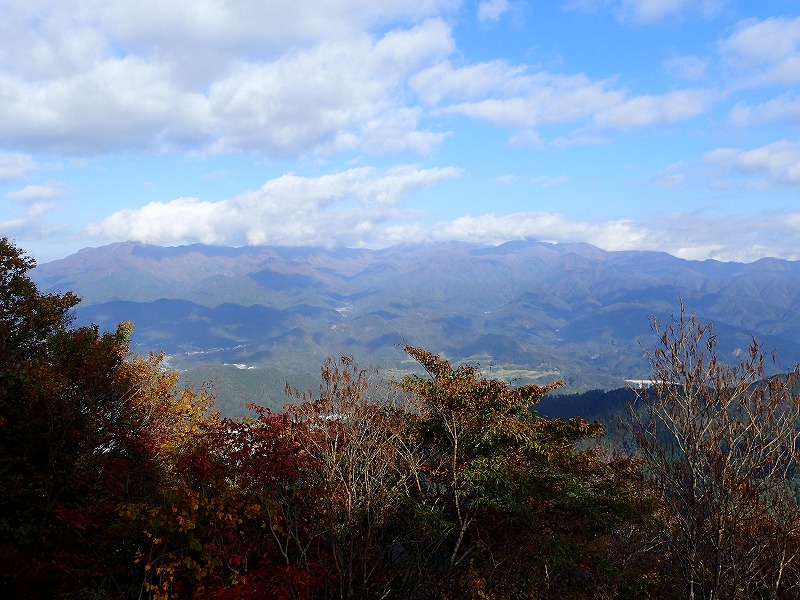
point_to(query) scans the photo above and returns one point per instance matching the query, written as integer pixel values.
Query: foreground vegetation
(116, 483)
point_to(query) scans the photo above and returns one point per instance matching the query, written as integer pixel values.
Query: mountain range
(525, 310)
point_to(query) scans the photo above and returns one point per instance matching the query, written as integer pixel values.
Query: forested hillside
(530, 311)
(120, 483)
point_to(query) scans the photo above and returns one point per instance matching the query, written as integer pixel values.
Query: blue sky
(669, 125)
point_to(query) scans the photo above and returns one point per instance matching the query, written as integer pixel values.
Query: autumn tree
(177, 509)
(454, 489)
(351, 434)
(721, 443)
(282, 536)
(59, 393)
(86, 428)
(115, 482)
(510, 504)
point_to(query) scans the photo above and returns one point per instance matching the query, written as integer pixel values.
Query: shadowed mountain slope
(527, 310)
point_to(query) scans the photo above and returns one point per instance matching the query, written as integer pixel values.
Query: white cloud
(287, 79)
(444, 81)
(115, 104)
(493, 228)
(777, 163)
(492, 10)
(332, 97)
(511, 96)
(672, 176)
(397, 131)
(36, 193)
(645, 111)
(687, 68)
(362, 206)
(37, 200)
(764, 41)
(202, 36)
(764, 52)
(694, 236)
(622, 234)
(783, 108)
(279, 78)
(525, 137)
(180, 220)
(744, 238)
(345, 208)
(15, 165)
(254, 25)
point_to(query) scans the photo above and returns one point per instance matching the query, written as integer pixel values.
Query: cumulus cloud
(691, 235)
(492, 228)
(785, 107)
(291, 80)
(512, 96)
(743, 238)
(687, 68)
(398, 131)
(199, 37)
(344, 208)
(36, 201)
(114, 104)
(672, 176)
(446, 82)
(253, 26)
(645, 111)
(492, 10)
(363, 206)
(180, 220)
(765, 52)
(36, 193)
(15, 165)
(333, 96)
(288, 79)
(775, 164)
(359, 207)
(279, 78)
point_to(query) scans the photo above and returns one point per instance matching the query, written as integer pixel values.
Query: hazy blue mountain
(525, 310)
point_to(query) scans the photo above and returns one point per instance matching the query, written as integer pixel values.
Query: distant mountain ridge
(526, 310)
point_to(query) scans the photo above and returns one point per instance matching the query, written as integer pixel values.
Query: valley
(525, 311)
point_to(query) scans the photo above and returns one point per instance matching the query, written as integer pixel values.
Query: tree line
(116, 482)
